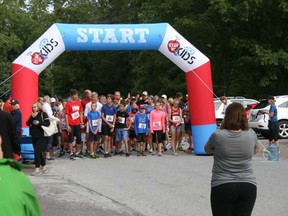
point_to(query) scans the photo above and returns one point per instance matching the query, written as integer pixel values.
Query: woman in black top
(39, 141)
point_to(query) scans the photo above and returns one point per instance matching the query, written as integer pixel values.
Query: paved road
(152, 185)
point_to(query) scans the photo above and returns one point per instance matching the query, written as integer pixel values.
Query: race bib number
(94, 122)
(75, 115)
(132, 119)
(109, 118)
(176, 118)
(121, 120)
(157, 124)
(142, 126)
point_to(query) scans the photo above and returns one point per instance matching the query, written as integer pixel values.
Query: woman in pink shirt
(157, 127)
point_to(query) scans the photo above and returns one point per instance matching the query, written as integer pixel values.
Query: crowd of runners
(109, 125)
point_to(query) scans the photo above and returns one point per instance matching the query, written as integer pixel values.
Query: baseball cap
(142, 106)
(145, 93)
(52, 100)
(14, 102)
(164, 96)
(133, 98)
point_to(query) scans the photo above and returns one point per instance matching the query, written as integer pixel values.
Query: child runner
(94, 125)
(132, 135)
(157, 127)
(175, 118)
(74, 122)
(63, 129)
(141, 129)
(122, 128)
(108, 115)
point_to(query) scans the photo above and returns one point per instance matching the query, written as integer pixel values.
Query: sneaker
(72, 156)
(62, 153)
(175, 154)
(160, 154)
(138, 153)
(127, 154)
(153, 152)
(109, 155)
(180, 148)
(106, 155)
(36, 173)
(93, 156)
(80, 154)
(44, 171)
(116, 153)
(143, 153)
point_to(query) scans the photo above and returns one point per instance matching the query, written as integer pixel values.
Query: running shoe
(36, 173)
(62, 153)
(151, 150)
(106, 155)
(109, 155)
(143, 153)
(127, 154)
(44, 171)
(93, 156)
(72, 156)
(154, 152)
(116, 153)
(138, 153)
(80, 154)
(160, 154)
(180, 148)
(175, 154)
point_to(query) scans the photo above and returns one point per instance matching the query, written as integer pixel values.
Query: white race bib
(94, 122)
(142, 126)
(176, 118)
(75, 115)
(132, 119)
(121, 120)
(109, 118)
(157, 124)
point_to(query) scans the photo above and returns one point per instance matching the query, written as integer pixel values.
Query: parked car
(247, 104)
(259, 121)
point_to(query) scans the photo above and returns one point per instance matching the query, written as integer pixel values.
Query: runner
(175, 118)
(141, 129)
(132, 135)
(74, 122)
(108, 115)
(122, 129)
(157, 127)
(94, 125)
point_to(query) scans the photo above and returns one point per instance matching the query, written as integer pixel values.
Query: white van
(259, 121)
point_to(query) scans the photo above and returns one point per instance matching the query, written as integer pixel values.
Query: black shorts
(187, 127)
(157, 134)
(55, 142)
(273, 130)
(75, 132)
(132, 134)
(94, 137)
(106, 130)
(141, 137)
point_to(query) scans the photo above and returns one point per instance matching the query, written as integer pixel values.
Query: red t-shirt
(73, 109)
(85, 101)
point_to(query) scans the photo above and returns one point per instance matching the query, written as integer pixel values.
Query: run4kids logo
(46, 47)
(186, 53)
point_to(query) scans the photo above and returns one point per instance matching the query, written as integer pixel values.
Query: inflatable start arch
(160, 36)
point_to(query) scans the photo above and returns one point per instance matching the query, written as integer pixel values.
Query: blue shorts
(121, 134)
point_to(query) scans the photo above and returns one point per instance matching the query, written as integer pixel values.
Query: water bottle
(274, 152)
